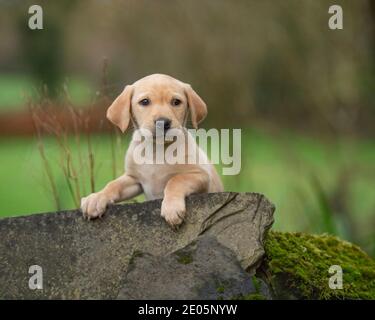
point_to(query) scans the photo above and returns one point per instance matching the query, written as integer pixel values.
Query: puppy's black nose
(161, 123)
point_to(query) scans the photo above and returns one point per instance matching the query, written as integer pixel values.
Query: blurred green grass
(16, 88)
(282, 166)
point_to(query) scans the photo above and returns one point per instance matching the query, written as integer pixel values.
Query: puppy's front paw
(94, 205)
(173, 211)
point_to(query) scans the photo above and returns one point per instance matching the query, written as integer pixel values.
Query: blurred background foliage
(302, 93)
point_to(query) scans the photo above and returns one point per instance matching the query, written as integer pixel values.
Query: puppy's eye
(144, 102)
(176, 102)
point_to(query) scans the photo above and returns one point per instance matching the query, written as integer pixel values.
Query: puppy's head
(157, 101)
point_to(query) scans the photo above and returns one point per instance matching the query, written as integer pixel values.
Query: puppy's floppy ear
(198, 108)
(119, 111)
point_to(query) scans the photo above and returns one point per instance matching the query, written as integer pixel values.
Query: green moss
(251, 296)
(256, 283)
(301, 262)
(220, 289)
(184, 257)
(135, 255)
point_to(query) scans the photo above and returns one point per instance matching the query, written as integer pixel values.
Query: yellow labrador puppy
(148, 103)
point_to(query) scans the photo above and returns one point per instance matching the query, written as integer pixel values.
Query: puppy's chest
(153, 179)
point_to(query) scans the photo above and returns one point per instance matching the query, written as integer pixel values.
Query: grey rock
(84, 259)
(203, 270)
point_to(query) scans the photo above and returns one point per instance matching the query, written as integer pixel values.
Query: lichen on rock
(297, 266)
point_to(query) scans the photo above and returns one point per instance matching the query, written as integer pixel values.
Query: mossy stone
(297, 265)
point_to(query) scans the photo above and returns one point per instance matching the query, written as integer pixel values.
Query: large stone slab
(203, 270)
(84, 259)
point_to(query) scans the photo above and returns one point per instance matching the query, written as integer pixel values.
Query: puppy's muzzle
(162, 125)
